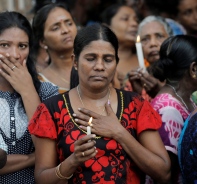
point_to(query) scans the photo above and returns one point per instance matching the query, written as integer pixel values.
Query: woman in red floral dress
(124, 143)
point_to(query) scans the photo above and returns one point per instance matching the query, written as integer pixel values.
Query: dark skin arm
(3, 158)
(46, 158)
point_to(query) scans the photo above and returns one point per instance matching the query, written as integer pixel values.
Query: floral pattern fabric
(173, 115)
(53, 119)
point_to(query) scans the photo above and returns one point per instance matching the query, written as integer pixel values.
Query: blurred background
(22, 6)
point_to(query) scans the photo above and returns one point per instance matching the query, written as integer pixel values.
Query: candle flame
(90, 121)
(138, 38)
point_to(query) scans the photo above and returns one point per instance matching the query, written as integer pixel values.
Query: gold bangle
(59, 175)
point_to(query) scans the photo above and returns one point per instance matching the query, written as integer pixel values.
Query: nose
(153, 42)
(99, 65)
(15, 53)
(64, 29)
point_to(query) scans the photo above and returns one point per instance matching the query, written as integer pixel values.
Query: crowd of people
(75, 105)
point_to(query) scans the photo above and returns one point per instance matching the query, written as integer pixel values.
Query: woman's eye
(55, 28)
(69, 23)
(90, 59)
(5, 45)
(23, 46)
(108, 60)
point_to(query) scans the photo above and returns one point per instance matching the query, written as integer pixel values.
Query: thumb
(108, 108)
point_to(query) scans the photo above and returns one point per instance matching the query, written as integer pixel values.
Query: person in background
(55, 30)
(20, 94)
(187, 15)
(124, 126)
(153, 30)
(187, 149)
(178, 67)
(122, 20)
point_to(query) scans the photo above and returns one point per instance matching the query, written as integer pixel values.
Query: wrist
(119, 133)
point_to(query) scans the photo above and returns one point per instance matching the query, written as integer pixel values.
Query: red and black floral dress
(53, 119)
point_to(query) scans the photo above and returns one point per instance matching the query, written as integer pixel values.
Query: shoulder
(129, 95)
(47, 90)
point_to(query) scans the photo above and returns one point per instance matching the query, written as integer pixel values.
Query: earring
(75, 68)
(45, 47)
(194, 76)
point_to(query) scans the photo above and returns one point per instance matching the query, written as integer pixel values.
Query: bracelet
(59, 175)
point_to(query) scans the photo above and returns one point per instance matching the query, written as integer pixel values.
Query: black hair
(40, 19)
(168, 6)
(15, 19)
(92, 33)
(176, 55)
(110, 12)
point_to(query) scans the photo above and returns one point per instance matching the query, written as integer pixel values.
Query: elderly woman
(153, 30)
(124, 126)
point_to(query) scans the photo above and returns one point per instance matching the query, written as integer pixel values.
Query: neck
(183, 95)
(93, 94)
(125, 55)
(60, 61)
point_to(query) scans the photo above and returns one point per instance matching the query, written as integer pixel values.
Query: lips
(68, 38)
(98, 77)
(154, 53)
(133, 33)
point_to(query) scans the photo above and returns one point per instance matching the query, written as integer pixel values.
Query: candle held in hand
(88, 130)
(140, 53)
(90, 121)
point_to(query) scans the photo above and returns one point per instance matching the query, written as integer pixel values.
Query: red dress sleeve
(147, 117)
(42, 124)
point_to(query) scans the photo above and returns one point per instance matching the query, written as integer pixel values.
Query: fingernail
(108, 101)
(7, 54)
(93, 135)
(1, 56)
(76, 120)
(74, 115)
(79, 109)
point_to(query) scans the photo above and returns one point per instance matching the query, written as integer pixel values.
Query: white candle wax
(88, 130)
(140, 53)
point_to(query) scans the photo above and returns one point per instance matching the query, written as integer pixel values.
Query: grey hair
(159, 19)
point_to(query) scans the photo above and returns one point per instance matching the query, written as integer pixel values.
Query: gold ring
(13, 67)
(83, 154)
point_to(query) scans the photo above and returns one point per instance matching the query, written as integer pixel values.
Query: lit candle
(140, 53)
(90, 121)
(88, 130)
(89, 127)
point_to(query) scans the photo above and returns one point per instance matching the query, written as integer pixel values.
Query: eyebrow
(11, 41)
(59, 22)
